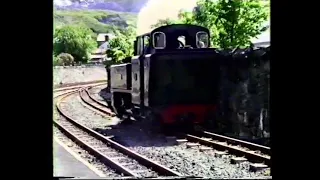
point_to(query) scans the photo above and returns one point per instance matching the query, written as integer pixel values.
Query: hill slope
(98, 21)
(116, 5)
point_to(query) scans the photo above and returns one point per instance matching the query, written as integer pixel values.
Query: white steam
(155, 10)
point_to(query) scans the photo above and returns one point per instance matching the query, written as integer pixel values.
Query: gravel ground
(127, 162)
(96, 91)
(73, 107)
(103, 94)
(78, 74)
(84, 154)
(190, 161)
(187, 161)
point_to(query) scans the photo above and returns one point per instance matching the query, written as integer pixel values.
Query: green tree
(163, 22)
(75, 40)
(231, 22)
(121, 47)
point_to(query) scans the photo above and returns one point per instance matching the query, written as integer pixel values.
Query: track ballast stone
(140, 137)
(108, 151)
(74, 108)
(84, 154)
(96, 91)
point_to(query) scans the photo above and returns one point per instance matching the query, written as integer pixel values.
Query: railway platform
(67, 164)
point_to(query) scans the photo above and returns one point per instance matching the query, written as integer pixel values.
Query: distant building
(98, 58)
(99, 55)
(104, 37)
(262, 44)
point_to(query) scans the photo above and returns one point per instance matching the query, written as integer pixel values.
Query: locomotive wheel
(118, 105)
(110, 105)
(168, 129)
(197, 128)
(155, 120)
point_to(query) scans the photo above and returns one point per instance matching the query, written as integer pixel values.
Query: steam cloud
(155, 10)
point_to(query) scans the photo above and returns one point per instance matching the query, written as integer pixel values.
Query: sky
(155, 10)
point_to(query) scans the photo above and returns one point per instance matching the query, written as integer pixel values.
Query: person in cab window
(201, 44)
(147, 47)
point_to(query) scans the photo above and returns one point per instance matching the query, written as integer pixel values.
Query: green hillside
(98, 21)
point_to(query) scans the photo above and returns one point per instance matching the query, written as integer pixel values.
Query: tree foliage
(231, 23)
(75, 40)
(163, 22)
(121, 47)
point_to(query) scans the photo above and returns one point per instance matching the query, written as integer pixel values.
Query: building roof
(101, 36)
(98, 56)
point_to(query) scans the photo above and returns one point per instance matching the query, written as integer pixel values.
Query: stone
(202, 149)
(257, 167)
(181, 141)
(189, 145)
(207, 139)
(236, 160)
(220, 153)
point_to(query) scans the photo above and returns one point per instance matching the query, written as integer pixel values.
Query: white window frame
(197, 39)
(153, 40)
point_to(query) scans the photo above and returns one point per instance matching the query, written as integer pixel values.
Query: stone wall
(75, 74)
(244, 99)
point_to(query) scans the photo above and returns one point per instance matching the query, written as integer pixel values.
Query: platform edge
(92, 168)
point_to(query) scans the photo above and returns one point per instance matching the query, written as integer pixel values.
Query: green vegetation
(97, 21)
(75, 33)
(75, 40)
(121, 47)
(63, 59)
(232, 23)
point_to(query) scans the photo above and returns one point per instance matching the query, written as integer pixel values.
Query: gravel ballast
(109, 152)
(187, 161)
(74, 108)
(84, 154)
(96, 91)
(140, 137)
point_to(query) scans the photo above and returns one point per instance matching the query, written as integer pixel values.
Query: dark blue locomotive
(173, 77)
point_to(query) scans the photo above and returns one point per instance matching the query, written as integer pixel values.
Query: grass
(98, 21)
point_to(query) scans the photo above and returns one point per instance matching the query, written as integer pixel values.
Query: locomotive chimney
(106, 38)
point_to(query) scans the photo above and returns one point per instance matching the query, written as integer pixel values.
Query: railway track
(121, 159)
(259, 155)
(243, 150)
(89, 100)
(72, 86)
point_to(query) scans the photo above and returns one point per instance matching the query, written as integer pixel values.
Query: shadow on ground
(144, 133)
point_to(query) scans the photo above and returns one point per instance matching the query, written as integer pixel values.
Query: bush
(75, 40)
(55, 61)
(65, 59)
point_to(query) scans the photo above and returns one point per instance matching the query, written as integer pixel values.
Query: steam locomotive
(172, 78)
